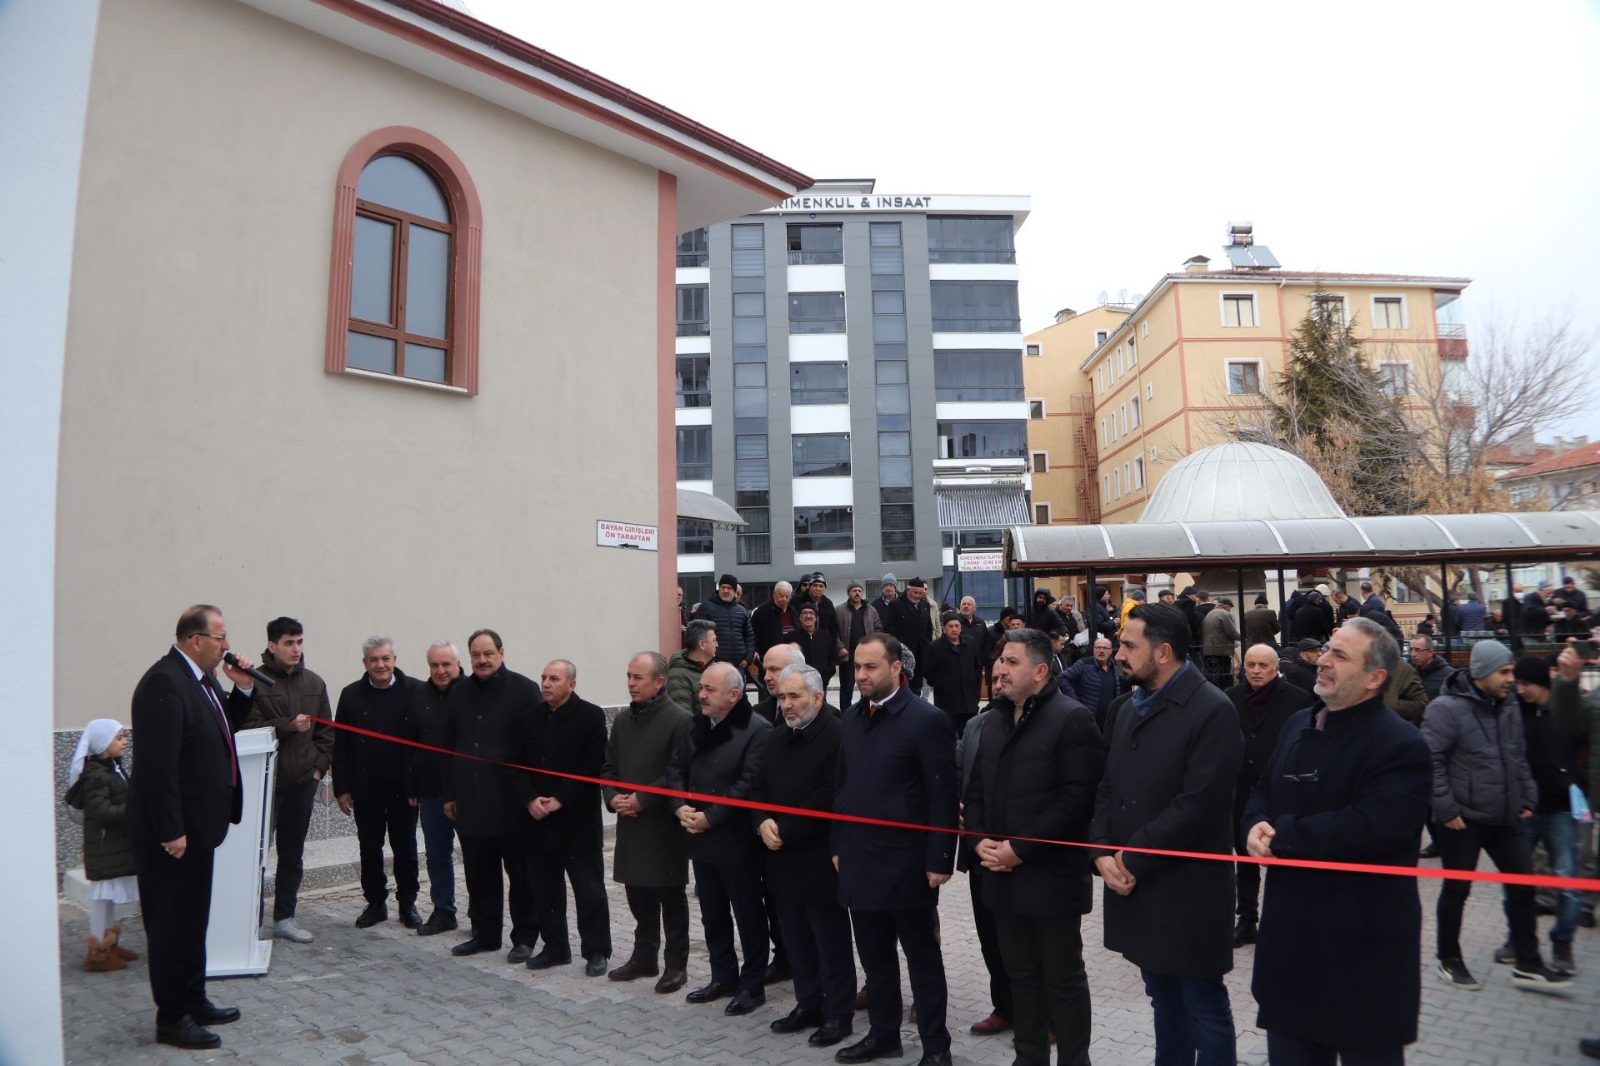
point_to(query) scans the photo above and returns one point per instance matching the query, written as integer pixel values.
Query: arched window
(406, 262)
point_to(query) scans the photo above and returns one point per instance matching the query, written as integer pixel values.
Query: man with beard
(305, 754)
(372, 780)
(1039, 762)
(857, 619)
(649, 862)
(497, 717)
(1264, 702)
(721, 756)
(797, 770)
(569, 815)
(1298, 665)
(1337, 965)
(911, 622)
(772, 664)
(1174, 753)
(428, 725)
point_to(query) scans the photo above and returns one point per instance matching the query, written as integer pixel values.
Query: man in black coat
(1265, 701)
(721, 756)
(910, 621)
(896, 761)
(1298, 665)
(1174, 753)
(998, 1020)
(1039, 763)
(798, 765)
(775, 620)
(1430, 666)
(428, 726)
(1313, 620)
(183, 795)
(1337, 968)
(827, 610)
(953, 669)
(497, 716)
(372, 780)
(569, 815)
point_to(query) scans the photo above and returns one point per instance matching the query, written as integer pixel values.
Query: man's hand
(997, 855)
(1569, 664)
(1457, 823)
(238, 675)
(176, 848)
(318, 774)
(769, 834)
(450, 810)
(626, 804)
(1526, 812)
(345, 803)
(1259, 840)
(1115, 874)
(300, 724)
(836, 864)
(411, 801)
(935, 880)
(692, 819)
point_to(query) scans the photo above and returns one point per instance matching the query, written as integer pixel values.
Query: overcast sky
(1429, 138)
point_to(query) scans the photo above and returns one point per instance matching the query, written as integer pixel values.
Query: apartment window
(1331, 306)
(975, 307)
(960, 239)
(1244, 379)
(824, 529)
(1133, 353)
(816, 312)
(898, 521)
(1116, 484)
(694, 381)
(1033, 351)
(1395, 378)
(1099, 379)
(822, 455)
(887, 261)
(754, 543)
(1138, 473)
(1127, 476)
(1036, 410)
(411, 310)
(693, 318)
(1389, 312)
(694, 453)
(1104, 439)
(749, 305)
(1100, 337)
(694, 538)
(894, 459)
(692, 249)
(816, 244)
(1122, 420)
(818, 383)
(1150, 392)
(977, 375)
(889, 302)
(1133, 412)
(1041, 514)
(1105, 486)
(1041, 462)
(1238, 309)
(1144, 329)
(983, 440)
(749, 255)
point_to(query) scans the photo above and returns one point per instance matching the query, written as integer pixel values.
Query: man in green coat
(686, 666)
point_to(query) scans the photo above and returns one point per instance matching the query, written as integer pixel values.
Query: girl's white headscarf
(97, 737)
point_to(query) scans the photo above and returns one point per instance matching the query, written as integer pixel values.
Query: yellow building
(1170, 375)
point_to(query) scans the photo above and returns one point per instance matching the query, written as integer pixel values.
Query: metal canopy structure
(1388, 540)
(703, 507)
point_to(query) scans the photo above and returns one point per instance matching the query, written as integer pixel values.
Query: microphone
(233, 661)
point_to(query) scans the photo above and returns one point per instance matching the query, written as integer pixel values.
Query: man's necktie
(227, 734)
(872, 709)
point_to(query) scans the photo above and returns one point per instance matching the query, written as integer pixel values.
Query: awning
(984, 506)
(704, 507)
(1396, 540)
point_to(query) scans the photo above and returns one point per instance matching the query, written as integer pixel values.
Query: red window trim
(466, 249)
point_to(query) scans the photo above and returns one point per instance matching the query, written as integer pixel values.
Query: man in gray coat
(650, 862)
(1482, 789)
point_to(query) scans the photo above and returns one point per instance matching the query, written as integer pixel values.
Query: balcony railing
(970, 255)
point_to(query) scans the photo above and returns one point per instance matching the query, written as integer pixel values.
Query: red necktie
(872, 709)
(227, 734)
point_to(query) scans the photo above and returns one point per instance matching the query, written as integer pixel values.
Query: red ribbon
(1587, 884)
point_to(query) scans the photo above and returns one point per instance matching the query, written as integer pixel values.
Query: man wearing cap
(911, 622)
(1482, 790)
(1221, 637)
(953, 669)
(736, 636)
(1260, 623)
(857, 618)
(889, 591)
(1313, 619)
(1299, 667)
(1536, 612)
(1554, 758)
(827, 610)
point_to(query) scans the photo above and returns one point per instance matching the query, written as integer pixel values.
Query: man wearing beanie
(1482, 790)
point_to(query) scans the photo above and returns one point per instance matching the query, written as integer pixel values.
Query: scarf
(1143, 700)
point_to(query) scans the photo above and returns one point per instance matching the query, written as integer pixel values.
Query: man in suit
(182, 797)
(574, 843)
(897, 761)
(1173, 757)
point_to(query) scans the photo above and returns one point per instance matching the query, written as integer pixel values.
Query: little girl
(100, 790)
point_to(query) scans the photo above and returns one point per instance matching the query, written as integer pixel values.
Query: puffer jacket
(683, 681)
(736, 637)
(1480, 762)
(101, 792)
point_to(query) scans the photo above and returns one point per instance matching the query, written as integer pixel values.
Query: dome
(1240, 482)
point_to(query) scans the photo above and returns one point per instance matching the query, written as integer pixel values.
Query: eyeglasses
(213, 636)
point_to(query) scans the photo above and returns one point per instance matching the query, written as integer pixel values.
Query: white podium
(234, 947)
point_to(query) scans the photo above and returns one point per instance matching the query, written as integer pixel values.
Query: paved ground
(384, 996)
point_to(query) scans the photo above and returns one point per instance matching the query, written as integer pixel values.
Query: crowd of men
(1133, 752)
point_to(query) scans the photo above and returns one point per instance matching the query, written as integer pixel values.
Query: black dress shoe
(519, 953)
(831, 1032)
(185, 1033)
(1244, 932)
(471, 947)
(595, 965)
(633, 969)
(934, 1058)
(710, 993)
(437, 923)
(208, 1013)
(780, 970)
(548, 959)
(375, 913)
(671, 981)
(872, 1047)
(745, 1002)
(796, 1020)
(410, 917)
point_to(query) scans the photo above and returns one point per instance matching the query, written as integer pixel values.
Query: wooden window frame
(466, 257)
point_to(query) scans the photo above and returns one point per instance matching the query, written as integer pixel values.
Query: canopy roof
(704, 507)
(1318, 542)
